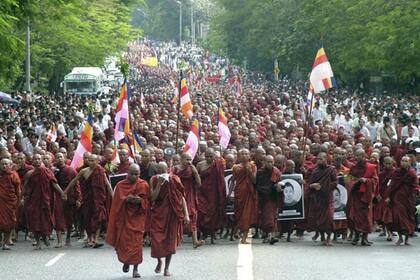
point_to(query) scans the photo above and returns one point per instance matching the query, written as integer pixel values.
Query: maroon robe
(166, 216)
(402, 192)
(123, 168)
(211, 198)
(320, 203)
(22, 224)
(38, 204)
(187, 180)
(384, 178)
(361, 195)
(93, 210)
(127, 221)
(268, 198)
(9, 200)
(65, 211)
(246, 197)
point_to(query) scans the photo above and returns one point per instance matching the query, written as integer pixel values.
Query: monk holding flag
(127, 219)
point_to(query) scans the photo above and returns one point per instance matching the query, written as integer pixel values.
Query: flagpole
(305, 136)
(178, 109)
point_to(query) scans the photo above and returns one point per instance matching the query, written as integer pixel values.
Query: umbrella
(6, 98)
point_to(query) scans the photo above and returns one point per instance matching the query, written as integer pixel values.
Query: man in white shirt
(372, 126)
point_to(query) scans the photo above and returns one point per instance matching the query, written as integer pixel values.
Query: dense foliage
(362, 37)
(64, 34)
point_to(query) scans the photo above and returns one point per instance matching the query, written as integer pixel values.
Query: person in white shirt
(405, 130)
(363, 128)
(372, 126)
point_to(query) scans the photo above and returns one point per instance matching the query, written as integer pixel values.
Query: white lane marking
(244, 264)
(55, 259)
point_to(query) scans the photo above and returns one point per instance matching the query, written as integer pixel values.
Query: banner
(230, 194)
(293, 208)
(340, 196)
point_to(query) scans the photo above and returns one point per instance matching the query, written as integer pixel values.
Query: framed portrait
(293, 208)
(114, 179)
(230, 194)
(340, 196)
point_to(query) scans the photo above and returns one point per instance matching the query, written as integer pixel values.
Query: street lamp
(180, 22)
(192, 23)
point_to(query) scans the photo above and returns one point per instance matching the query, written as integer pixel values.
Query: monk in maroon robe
(22, 167)
(65, 211)
(38, 183)
(10, 193)
(363, 180)
(268, 193)
(246, 197)
(93, 212)
(191, 180)
(168, 211)
(124, 162)
(212, 194)
(379, 211)
(401, 199)
(127, 219)
(322, 183)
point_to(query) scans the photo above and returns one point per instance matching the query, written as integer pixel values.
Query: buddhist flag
(224, 132)
(322, 77)
(85, 143)
(122, 121)
(191, 146)
(186, 105)
(137, 143)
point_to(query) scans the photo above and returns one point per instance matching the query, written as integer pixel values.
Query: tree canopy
(64, 34)
(361, 37)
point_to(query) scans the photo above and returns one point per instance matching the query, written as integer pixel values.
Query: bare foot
(136, 274)
(58, 246)
(244, 242)
(406, 243)
(158, 268)
(398, 243)
(198, 244)
(6, 247)
(166, 273)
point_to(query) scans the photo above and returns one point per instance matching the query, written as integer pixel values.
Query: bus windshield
(85, 86)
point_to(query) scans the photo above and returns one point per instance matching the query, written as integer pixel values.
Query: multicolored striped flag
(186, 105)
(191, 145)
(322, 77)
(122, 120)
(137, 143)
(85, 143)
(224, 131)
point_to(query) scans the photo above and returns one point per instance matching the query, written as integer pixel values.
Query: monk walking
(363, 180)
(9, 200)
(401, 199)
(38, 183)
(212, 194)
(246, 199)
(65, 211)
(322, 183)
(127, 219)
(191, 181)
(95, 184)
(168, 211)
(269, 197)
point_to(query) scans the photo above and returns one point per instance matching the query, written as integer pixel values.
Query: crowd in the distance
(266, 117)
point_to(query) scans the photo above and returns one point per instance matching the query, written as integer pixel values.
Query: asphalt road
(224, 261)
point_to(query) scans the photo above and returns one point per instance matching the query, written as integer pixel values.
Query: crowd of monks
(163, 203)
(164, 198)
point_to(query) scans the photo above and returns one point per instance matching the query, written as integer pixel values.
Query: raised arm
(73, 182)
(197, 178)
